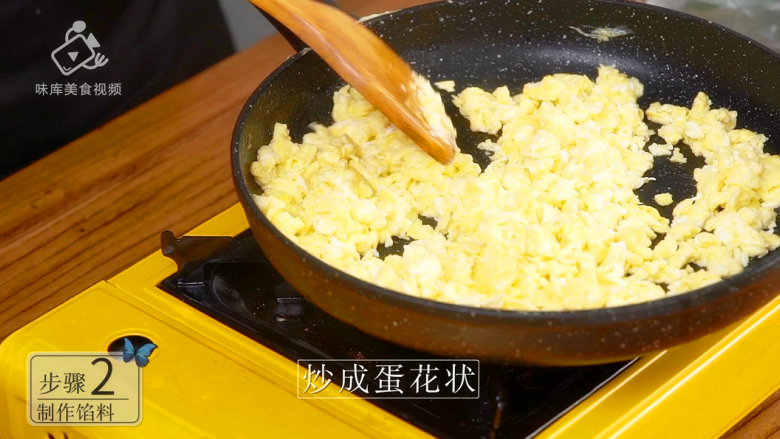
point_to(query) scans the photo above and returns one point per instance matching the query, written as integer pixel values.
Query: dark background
(151, 45)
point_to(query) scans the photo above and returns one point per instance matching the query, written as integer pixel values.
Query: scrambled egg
(659, 150)
(428, 103)
(552, 223)
(446, 86)
(604, 34)
(664, 199)
(677, 156)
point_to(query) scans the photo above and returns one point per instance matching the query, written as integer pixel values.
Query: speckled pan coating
(493, 43)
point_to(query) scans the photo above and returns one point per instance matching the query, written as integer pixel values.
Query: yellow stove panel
(207, 380)
(196, 386)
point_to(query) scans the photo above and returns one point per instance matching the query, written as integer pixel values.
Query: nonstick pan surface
(493, 43)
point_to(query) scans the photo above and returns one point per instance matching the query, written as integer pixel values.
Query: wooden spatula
(370, 66)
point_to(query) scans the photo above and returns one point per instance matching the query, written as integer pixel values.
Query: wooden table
(98, 205)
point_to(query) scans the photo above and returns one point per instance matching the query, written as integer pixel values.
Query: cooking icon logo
(78, 51)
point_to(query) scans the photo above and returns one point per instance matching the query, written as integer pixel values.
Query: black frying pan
(674, 55)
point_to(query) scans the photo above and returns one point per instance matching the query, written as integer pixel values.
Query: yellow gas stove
(223, 370)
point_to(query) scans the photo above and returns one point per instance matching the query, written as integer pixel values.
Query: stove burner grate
(230, 280)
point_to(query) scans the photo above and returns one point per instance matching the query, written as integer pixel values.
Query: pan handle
(291, 38)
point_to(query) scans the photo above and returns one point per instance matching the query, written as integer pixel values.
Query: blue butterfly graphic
(141, 355)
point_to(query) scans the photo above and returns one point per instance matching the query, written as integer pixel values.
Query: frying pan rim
(695, 299)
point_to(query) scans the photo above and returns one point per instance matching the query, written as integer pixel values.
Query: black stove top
(230, 280)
